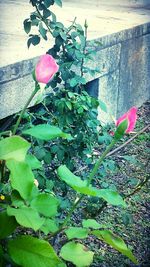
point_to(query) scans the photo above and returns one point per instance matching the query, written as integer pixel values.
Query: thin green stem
(138, 187)
(43, 19)
(25, 107)
(99, 161)
(84, 48)
(71, 26)
(77, 201)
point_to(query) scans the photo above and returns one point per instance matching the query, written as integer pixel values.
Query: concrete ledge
(123, 60)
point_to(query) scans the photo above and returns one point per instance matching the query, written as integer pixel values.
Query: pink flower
(131, 117)
(45, 69)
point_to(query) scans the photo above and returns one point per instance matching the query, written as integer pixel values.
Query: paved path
(103, 19)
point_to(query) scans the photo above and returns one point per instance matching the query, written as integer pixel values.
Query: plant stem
(120, 147)
(77, 201)
(96, 167)
(43, 19)
(138, 187)
(84, 48)
(71, 26)
(129, 141)
(25, 107)
(99, 161)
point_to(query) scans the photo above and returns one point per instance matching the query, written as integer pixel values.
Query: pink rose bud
(45, 69)
(131, 117)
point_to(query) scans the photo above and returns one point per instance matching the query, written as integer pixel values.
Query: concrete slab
(123, 59)
(103, 19)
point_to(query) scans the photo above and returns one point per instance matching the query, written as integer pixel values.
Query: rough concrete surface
(134, 87)
(123, 59)
(103, 20)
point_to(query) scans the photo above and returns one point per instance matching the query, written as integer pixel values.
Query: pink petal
(132, 117)
(45, 69)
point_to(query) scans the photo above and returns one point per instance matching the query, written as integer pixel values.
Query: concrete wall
(123, 61)
(112, 2)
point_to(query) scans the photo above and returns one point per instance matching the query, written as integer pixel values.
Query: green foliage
(77, 254)
(71, 108)
(26, 216)
(122, 127)
(33, 162)
(13, 147)
(91, 223)
(7, 225)
(27, 250)
(82, 187)
(21, 177)
(76, 232)
(116, 242)
(45, 204)
(46, 132)
(62, 129)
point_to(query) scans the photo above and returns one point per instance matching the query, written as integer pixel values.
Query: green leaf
(48, 157)
(49, 226)
(33, 162)
(73, 82)
(16, 199)
(21, 177)
(27, 25)
(13, 147)
(26, 217)
(28, 251)
(58, 2)
(116, 242)
(46, 132)
(120, 131)
(48, 2)
(63, 35)
(35, 39)
(45, 204)
(42, 31)
(7, 224)
(77, 254)
(80, 186)
(46, 13)
(91, 223)
(68, 104)
(76, 232)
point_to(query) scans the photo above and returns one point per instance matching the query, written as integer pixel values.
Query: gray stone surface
(104, 18)
(123, 58)
(12, 100)
(105, 60)
(17, 70)
(108, 93)
(134, 87)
